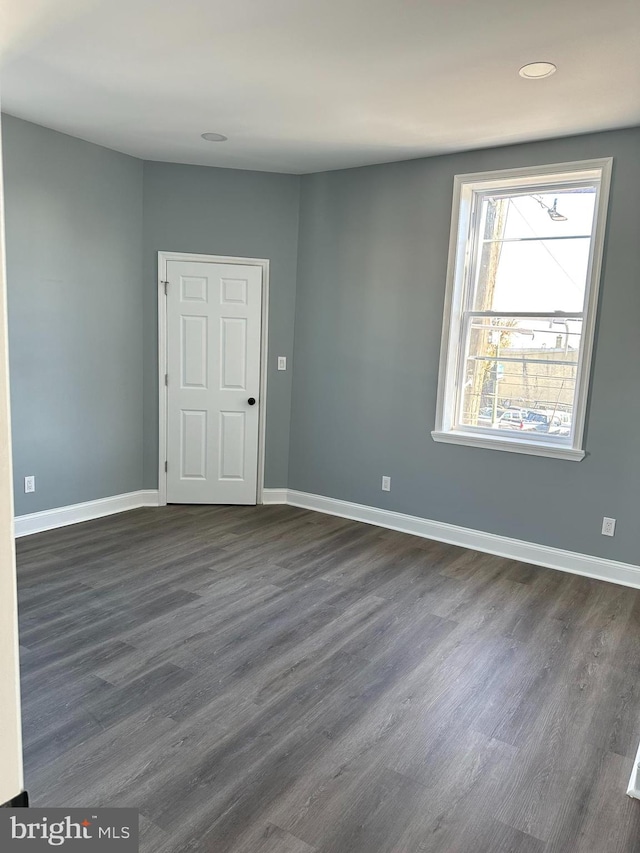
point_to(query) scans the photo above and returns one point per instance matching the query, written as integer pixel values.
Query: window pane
(520, 374)
(527, 261)
(529, 215)
(546, 275)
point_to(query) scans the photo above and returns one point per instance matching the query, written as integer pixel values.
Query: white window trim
(460, 249)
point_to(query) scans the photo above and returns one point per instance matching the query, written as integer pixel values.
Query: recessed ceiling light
(537, 70)
(214, 137)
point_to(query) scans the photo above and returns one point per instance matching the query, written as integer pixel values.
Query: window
(524, 265)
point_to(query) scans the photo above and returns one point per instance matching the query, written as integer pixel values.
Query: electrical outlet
(386, 484)
(282, 362)
(29, 484)
(608, 526)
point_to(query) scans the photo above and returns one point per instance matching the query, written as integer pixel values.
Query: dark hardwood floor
(270, 679)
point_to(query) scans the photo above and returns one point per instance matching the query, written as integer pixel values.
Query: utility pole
(492, 230)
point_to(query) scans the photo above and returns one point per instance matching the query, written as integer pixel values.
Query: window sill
(511, 446)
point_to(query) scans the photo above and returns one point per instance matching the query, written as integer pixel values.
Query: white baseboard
(625, 574)
(36, 522)
(274, 496)
(634, 782)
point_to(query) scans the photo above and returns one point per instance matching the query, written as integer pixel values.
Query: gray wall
(371, 279)
(371, 263)
(239, 214)
(74, 261)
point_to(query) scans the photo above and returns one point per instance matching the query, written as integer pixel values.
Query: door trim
(163, 257)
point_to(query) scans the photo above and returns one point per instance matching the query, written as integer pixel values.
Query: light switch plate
(282, 362)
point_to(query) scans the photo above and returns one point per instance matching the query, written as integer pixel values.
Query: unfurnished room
(319, 425)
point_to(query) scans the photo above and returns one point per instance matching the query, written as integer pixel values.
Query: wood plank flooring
(264, 680)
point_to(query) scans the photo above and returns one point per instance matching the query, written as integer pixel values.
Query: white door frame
(163, 257)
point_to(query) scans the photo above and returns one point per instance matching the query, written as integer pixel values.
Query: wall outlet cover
(608, 526)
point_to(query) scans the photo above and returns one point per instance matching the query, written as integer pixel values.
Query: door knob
(251, 401)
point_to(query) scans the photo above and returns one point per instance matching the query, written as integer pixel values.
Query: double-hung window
(522, 287)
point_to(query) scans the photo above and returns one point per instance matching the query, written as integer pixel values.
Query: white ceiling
(307, 85)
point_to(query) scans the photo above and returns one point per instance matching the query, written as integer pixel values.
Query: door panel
(213, 362)
(193, 438)
(232, 442)
(233, 353)
(193, 335)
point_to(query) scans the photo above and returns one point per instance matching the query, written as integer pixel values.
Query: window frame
(468, 191)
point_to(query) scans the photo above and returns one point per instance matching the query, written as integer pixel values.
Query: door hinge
(166, 466)
(166, 284)
(166, 379)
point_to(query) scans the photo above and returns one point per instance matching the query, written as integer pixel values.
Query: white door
(213, 382)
